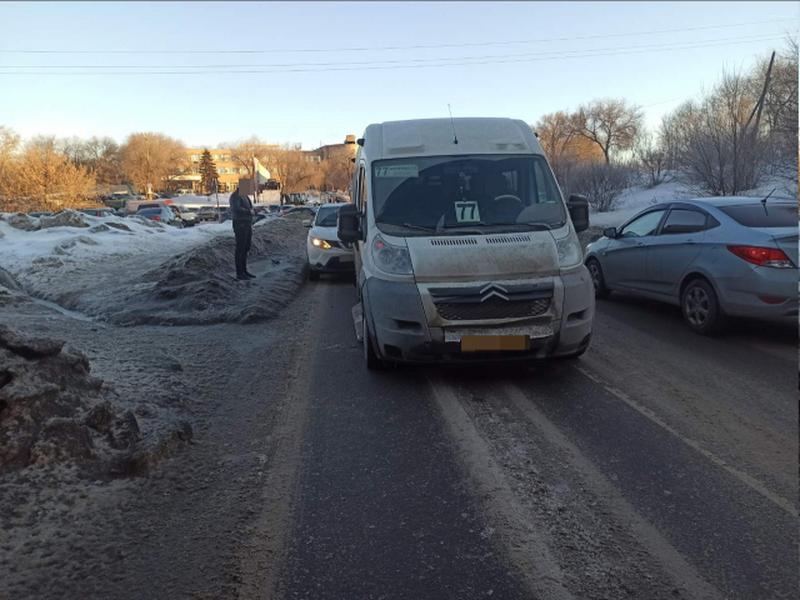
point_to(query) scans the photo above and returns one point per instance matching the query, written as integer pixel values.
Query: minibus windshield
(451, 195)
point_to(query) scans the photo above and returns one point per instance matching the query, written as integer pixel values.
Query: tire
(313, 274)
(598, 279)
(700, 307)
(374, 363)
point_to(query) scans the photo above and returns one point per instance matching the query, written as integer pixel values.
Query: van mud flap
(358, 321)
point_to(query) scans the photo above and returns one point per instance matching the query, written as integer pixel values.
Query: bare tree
(601, 184)
(43, 176)
(714, 149)
(611, 124)
(293, 168)
(780, 105)
(151, 158)
(564, 146)
(101, 156)
(652, 158)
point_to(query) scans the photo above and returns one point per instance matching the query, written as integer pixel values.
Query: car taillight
(156, 218)
(763, 257)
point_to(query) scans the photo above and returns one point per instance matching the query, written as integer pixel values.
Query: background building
(228, 170)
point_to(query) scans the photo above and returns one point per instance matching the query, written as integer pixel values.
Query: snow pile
(76, 238)
(197, 286)
(636, 198)
(52, 411)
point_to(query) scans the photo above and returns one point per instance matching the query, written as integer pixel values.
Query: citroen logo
(493, 290)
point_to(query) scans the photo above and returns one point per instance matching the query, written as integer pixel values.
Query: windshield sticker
(405, 171)
(467, 212)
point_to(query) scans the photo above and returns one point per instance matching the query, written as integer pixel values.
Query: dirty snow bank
(53, 412)
(132, 271)
(198, 287)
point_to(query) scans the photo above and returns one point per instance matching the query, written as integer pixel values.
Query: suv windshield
(327, 216)
(464, 194)
(763, 215)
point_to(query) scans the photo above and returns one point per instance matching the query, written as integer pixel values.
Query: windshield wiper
(539, 226)
(420, 227)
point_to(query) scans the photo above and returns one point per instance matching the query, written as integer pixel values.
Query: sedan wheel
(700, 307)
(596, 272)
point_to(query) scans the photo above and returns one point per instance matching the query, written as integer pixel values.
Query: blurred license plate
(488, 343)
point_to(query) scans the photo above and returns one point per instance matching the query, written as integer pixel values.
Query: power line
(584, 51)
(397, 47)
(381, 67)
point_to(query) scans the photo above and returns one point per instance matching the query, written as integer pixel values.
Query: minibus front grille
(492, 308)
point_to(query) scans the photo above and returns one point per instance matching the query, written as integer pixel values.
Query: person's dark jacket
(241, 208)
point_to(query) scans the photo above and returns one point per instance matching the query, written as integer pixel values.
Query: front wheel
(700, 307)
(599, 282)
(313, 274)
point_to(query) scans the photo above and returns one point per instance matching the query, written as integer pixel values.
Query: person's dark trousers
(243, 230)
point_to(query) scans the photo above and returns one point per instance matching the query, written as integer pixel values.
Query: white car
(326, 252)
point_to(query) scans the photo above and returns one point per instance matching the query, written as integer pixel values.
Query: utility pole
(748, 142)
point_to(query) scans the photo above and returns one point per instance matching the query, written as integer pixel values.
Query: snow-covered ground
(637, 198)
(100, 241)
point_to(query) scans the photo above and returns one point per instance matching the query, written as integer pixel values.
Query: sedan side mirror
(610, 232)
(578, 207)
(349, 224)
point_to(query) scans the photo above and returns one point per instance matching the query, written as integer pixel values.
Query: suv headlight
(320, 243)
(569, 251)
(390, 258)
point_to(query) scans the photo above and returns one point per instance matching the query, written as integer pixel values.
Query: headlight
(390, 258)
(319, 243)
(569, 251)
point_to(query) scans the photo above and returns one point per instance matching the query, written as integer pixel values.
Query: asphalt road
(661, 465)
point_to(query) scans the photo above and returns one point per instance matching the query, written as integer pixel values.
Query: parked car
(307, 212)
(465, 252)
(37, 214)
(325, 252)
(713, 257)
(162, 214)
(208, 213)
(188, 217)
(98, 212)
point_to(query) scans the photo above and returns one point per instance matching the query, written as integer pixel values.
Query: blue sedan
(713, 257)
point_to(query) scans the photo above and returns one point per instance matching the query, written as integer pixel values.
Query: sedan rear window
(763, 215)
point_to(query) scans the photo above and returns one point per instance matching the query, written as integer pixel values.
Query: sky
(209, 73)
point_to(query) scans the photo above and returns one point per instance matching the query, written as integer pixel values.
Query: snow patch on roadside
(637, 198)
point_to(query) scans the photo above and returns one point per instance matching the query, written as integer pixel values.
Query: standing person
(242, 216)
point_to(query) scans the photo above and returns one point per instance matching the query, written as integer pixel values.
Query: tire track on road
(527, 541)
(784, 504)
(674, 563)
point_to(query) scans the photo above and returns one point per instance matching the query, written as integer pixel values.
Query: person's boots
(242, 276)
(249, 275)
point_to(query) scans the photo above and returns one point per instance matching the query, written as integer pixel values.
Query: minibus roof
(435, 137)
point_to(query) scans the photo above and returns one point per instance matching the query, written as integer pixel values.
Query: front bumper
(334, 260)
(406, 326)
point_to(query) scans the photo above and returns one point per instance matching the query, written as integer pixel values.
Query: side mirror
(578, 207)
(349, 224)
(306, 222)
(610, 232)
